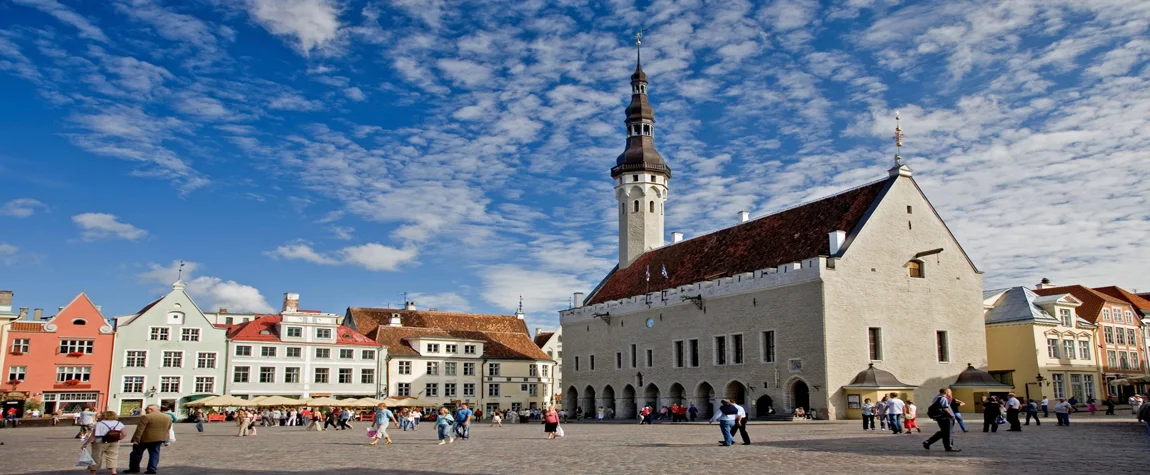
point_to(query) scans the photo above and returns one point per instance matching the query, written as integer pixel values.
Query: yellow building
(1039, 345)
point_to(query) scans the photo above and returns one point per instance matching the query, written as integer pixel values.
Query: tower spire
(897, 140)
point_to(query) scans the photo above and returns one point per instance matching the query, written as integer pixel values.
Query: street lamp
(151, 392)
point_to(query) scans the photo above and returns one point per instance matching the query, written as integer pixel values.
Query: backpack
(113, 435)
(935, 409)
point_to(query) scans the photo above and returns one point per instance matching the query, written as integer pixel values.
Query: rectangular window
(720, 350)
(769, 346)
(268, 351)
(449, 368)
(76, 346)
(169, 384)
(1120, 336)
(736, 349)
(679, 354)
(693, 345)
(159, 334)
(1123, 361)
(469, 349)
(367, 376)
(432, 368)
(1059, 385)
(295, 332)
(173, 359)
(323, 333)
(344, 376)
(532, 390)
(1084, 350)
(243, 350)
(533, 370)
(205, 384)
(291, 375)
(634, 356)
(267, 374)
(84, 373)
(1106, 315)
(1088, 384)
(404, 367)
(1052, 348)
(493, 390)
(367, 354)
(240, 374)
(190, 334)
(874, 338)
(1135, 361)
(942, 342)
(205, 360)
(229, 320)
(545, 371)
(1068, 349)
(493, 369)
(1066, 316)
(591, 360)
(650, 357)
(294, 352)
(403, 389)
(451, 348)
(1130, 337)
(468, 389)
(431, 390)
(576, 363)
(433, 347)
(20, 345)
(18, 373)
(618, 360)
(469, 369)
(321, 375)
(346, 354)
(136, 359)
(1109, 331)
(133, 384)
(323, 353)
(448, 389)
(1111, 359)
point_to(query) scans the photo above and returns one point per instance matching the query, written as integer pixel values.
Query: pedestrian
(645, 415)
(317, 421)
(379, 423)
(443, 424)
(1046, 406)
(1073, 403)
(991, 411)
(1109, 403)
(1013, 408)
(291, 419)
(85, 420)
(345, 419)
(496, 419)
(151, 433)
(726, 415)
(463, 422)
(880, 412)
(693, 412)
(740, 426)
(105, 442)
(1137, 402)
(332, 419)
(1032, 411)
(1062, 412)
(551, 422)
(894, 410)
(941, 412)
(55, 417)
(199, 417)
(868, 414)
(1091, 407)
(910, 416)
(956, 408)
(1144, 415)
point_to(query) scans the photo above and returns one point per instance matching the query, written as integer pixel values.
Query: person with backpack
(941, 412)
(105, 442)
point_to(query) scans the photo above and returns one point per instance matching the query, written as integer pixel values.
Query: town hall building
(816, 306)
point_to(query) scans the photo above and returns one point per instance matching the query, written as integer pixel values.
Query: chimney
(395, 320)
(23, 313)
(837, 238)
(1045, 284)
(291, 303)
(6, 300)
(223, 310)
(538, 331)
(409, 305)
(578, 299)
(37, 314)
(676, 237)
(744, 216)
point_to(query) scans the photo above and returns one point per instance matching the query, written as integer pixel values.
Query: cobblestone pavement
(1091, 445)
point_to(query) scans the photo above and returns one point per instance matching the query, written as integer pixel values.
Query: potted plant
(17, 352)
(72, 382)
(76, 354)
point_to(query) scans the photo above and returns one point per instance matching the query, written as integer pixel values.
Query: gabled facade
(552, 344)
(64, 361)
(168, 353)
(1030, 337)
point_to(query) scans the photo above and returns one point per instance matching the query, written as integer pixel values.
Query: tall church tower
(640, 176)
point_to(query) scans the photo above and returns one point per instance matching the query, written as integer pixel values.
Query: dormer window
(1066, 316)
(79, 321)
(295, 332)
(914, 269)
(433, 347)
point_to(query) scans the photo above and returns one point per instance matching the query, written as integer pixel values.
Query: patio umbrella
(369, 402)
(201, 402)
(392, 402)
(323, 401)
(276, 401)
(229, 401)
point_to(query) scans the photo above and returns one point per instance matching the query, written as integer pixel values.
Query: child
(443, 425)
(910, 417)
(496, 420)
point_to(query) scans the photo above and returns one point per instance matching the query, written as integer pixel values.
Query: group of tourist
(449, 425)
(732, 419)
(101, 446)
(894, 414)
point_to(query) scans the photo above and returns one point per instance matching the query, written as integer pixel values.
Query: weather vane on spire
(180, 273)
(897, 140)
(520, 305)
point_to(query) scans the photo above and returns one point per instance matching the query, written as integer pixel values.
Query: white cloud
(313, 23)
(67, 15)
(8, 253)
(443, 302)
(343, 233)
(355, 94)
(543, 292)
(99, 226)
(210, 292)
(294, 102)
(22, 207)
(370, 256)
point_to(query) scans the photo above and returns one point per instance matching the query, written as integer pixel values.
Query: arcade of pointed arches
(627, 399)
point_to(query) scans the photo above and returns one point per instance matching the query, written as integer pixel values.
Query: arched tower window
(636, 206)
(652, 206)
(914, 269)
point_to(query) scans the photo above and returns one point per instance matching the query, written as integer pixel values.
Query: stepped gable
(263, 328)
(503, 336)
(1092, 300)
(770, 241)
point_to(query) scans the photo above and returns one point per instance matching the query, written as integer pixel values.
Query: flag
(648, 272)
(665, 272)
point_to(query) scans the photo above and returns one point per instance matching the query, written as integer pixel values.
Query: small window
(914, 269)
(942, 340)
(79, 321)
(295, 332)
(636, 205)
(323, 333)
(874, 336)
(634, 177)
(909, 209)
(652, 207)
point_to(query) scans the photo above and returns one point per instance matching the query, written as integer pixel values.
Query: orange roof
(1139, 303)
(263, 328)
(503, 336)
(542, 337)
(26, 327)
(1092, 300)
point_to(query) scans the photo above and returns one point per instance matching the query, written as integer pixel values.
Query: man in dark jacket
(1144, 416)
(151, 433)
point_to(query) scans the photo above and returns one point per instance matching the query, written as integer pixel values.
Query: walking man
(151, 433)
(894, 410)
(1032, 411)
(1013, 407)
(942, 414)
(693, 411)
(726, 415)
(740, 424)
(463, 422)
(1045, 407)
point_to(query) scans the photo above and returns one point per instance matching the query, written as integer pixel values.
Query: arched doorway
(572, 400)
(676, 394)
(801, 395)
(651, 396)
(763, 406)
(705, 400)
(607, 401)
(737, 392)
(589, 402)
(628, 411)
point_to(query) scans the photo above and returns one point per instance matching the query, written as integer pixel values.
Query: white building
(552, 344)
(168, 353)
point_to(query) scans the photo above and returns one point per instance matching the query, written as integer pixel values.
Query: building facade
(302, 353)
(552, 344)
(444, 359)
(63, 361)
(782, 311)
(168, 353)
(1040, 345)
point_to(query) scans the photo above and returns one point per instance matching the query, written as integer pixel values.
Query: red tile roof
(770, 241)
(263, 328)
(542, 337)
(1092, 300)
(26, 327)
(503, 336)
(1139, 303)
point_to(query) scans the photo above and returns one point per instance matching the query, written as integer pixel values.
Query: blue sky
(460, 151)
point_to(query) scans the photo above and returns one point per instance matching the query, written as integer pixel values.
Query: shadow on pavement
(216, 471)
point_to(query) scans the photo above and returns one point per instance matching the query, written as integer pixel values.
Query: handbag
(559, 431)
(86, 459)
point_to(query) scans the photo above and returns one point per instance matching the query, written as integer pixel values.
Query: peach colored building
(64, 361)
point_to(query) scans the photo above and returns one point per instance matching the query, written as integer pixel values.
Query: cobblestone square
(1091, 445)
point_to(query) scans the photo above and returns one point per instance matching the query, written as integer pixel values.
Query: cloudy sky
(460, 151)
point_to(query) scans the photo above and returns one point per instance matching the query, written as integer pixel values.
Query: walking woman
(550, 422)
(496, 419)
(382, 417)
(105, 442)
(443, 425)
(868, 414)
(991, 412)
